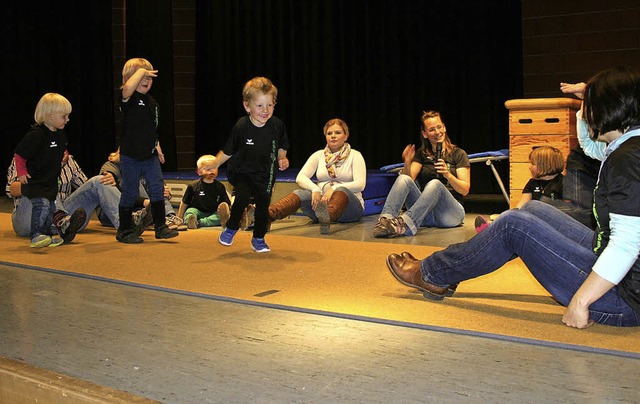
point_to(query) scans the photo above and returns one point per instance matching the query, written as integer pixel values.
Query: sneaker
(259, 245)
(226, 237)
(56, 240)
(39, 241)
(224, 213)
(71, 224)
(131, 236)
(192, 222)
(142, 217)
(481, 223)
(248, 217)
(389, 228)
(380, 230)
(163, 232)
(173, 222)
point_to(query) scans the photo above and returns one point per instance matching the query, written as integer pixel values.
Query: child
(38, 158)
(205, 202)
(257, 145)
(546, 164)
(140, 153)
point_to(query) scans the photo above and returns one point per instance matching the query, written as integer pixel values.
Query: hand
(409, 153)
(15, 189)
(315, 198)
(150, 73)
(283, 163)
(23, 179)
(441, 168)
(161, 158)
(576, 316)
(167, 192)
(576, 89)
(327, 195)
(107, 179)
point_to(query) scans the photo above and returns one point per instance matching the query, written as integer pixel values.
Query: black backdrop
(375, 64)
(48, 47)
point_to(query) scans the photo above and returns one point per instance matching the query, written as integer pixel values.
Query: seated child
(205, 202)
(546, 164)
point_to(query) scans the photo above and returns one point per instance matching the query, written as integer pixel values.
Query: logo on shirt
(250, 142)
(53, 144)
(201, 193)
(141, 103)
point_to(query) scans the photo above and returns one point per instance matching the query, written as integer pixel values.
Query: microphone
(438, 155)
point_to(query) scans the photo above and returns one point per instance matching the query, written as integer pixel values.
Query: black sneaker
(71, 224)
(128, 237)
(165, 232)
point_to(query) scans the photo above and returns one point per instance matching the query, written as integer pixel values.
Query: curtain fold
(377, 65)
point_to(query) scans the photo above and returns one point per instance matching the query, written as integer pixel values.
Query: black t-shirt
(43, 150)
(254, 150)
(205, 196)
(139, 126)
(618, 191)
(456, 159)
(550, 188)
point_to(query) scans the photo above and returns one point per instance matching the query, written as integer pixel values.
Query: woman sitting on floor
(341, 176)
(596, 275)
(430, 188)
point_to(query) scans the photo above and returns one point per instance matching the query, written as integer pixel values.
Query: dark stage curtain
(150, 36)
(377, 65)
(63, 47)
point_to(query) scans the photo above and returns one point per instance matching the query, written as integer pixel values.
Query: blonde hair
(205, 160)
(132, 66)
(259, 85)
(336, 121)
(547, 159)
(51, 103)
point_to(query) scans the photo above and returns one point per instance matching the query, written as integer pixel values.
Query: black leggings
(245, 188)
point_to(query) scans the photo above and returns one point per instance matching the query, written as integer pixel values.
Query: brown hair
(447, 147)
(548, 160)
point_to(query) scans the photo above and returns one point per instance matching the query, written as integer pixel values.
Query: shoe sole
(41, 244)
(427, 294)
(260, 251)
(322, 213)
(75, 223)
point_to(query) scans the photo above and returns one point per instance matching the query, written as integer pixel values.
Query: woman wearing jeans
(595, 274)
(431, 189)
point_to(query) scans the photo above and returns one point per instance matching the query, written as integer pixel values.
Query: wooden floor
(184, 349)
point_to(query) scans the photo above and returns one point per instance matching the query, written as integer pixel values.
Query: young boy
(38, 162)
(140, 153)
(257, 145)
(205, 202)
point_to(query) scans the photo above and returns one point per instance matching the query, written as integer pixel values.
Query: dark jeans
(577, 197)
(555, 248)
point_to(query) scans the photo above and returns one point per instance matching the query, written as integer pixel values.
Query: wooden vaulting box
(537, 122)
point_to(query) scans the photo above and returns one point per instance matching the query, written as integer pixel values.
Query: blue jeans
(352, 213)
(93, 194)
(555, 248)
(42, 211)
(132, 170)
(433, 207)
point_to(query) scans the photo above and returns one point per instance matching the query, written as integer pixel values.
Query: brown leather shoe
(450, 290)
(407, 272)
